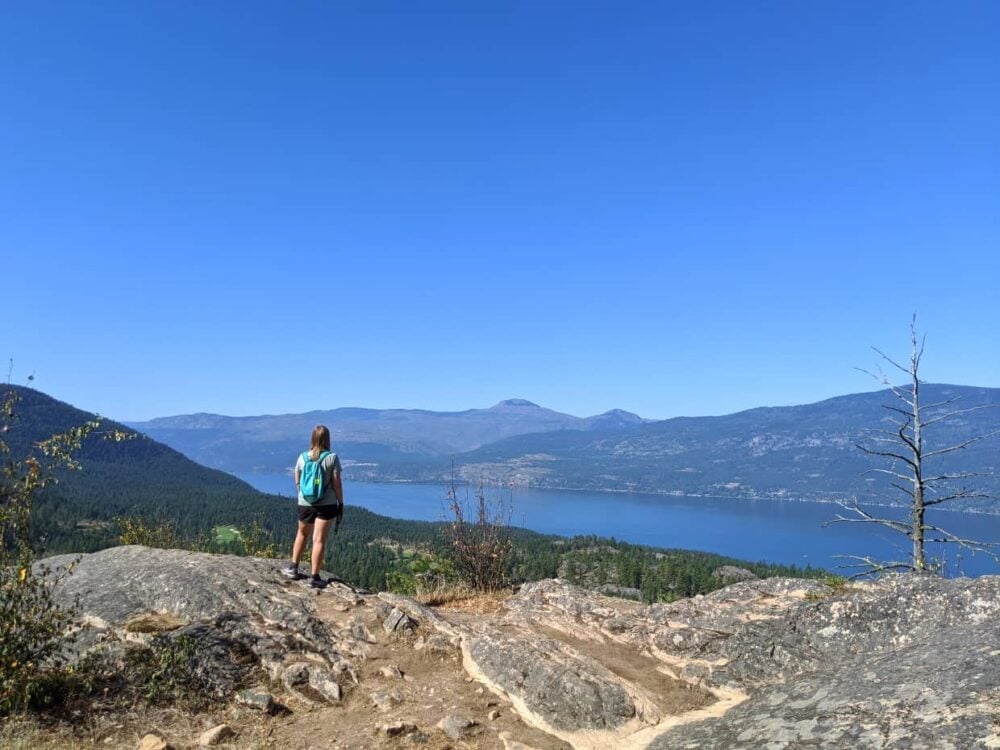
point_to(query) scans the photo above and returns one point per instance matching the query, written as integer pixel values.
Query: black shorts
(309, 513)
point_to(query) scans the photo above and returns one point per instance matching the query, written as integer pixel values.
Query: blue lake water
(768, 530)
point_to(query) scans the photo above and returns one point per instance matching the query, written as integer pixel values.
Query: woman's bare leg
(319, 544)
(301, 536)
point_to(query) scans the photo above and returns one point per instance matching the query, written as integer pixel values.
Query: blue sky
(672, 208)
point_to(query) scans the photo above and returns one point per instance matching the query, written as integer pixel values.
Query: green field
(226, 534)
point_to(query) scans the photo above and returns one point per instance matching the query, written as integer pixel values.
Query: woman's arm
(338, 487)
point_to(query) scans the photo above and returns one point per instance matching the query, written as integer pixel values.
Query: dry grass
(460, 598)
(124, 730)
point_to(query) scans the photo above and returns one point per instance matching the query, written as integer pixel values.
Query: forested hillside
(139, 478)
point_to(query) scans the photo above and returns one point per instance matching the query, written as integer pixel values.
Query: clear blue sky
(672, 208)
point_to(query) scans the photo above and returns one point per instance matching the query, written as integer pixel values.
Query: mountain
(367, 437)
(121, 478)
(800, 452)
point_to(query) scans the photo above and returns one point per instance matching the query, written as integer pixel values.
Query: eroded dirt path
(414, 677)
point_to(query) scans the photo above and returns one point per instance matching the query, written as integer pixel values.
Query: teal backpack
(311, 479)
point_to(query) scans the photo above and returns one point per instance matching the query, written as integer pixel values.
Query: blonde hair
(320, 441)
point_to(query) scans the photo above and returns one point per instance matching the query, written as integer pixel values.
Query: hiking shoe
(291, 571)
(317, 583)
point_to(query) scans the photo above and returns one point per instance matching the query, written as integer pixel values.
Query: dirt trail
(418, 678)
(432, 685)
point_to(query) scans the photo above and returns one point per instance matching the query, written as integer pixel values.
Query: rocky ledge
(905, 662)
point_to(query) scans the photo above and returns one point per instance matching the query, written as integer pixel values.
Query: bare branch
(970, 544)
(883, 379)
(891, 473)
(888, 454)
(956, 477)
(891, 361)
(960, 446)
(866, 517)
(871, 566)
(891, 440)
(904, 412)
(901, 488)
(910, 443)
(961, 495)
(956, 412)
(939, 404)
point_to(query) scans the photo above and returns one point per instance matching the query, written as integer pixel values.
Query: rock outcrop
(906, 662)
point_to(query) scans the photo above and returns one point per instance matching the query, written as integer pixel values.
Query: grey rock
(905, 663)
(398, 621)
(733, 573)
(457, 727)
(420, 614)
(360, 632)
(294, 675)
(941, 692)
(435, 643)
(259, 699)
(570, 692)
(867, 620)
(243, 615)
(385, 700)
(398, 728)
(325, 684)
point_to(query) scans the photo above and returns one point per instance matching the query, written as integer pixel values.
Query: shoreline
(648, 493)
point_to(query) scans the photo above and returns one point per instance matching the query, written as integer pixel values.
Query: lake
(757, 530)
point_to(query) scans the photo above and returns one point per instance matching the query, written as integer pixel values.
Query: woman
(316, 518)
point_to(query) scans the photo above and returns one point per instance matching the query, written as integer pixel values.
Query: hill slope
(142, 477)
(802, 452)
(269, 444)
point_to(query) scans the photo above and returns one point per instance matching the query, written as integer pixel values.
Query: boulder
(240, 613)
(909, 661)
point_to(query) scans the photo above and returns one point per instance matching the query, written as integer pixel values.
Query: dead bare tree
(904, 447)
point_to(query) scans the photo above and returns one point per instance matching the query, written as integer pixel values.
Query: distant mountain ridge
(269, 443)
(801, 452)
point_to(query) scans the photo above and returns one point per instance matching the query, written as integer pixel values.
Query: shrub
(148, 533)
(33, 627)
(422, 574)
(479, 547)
